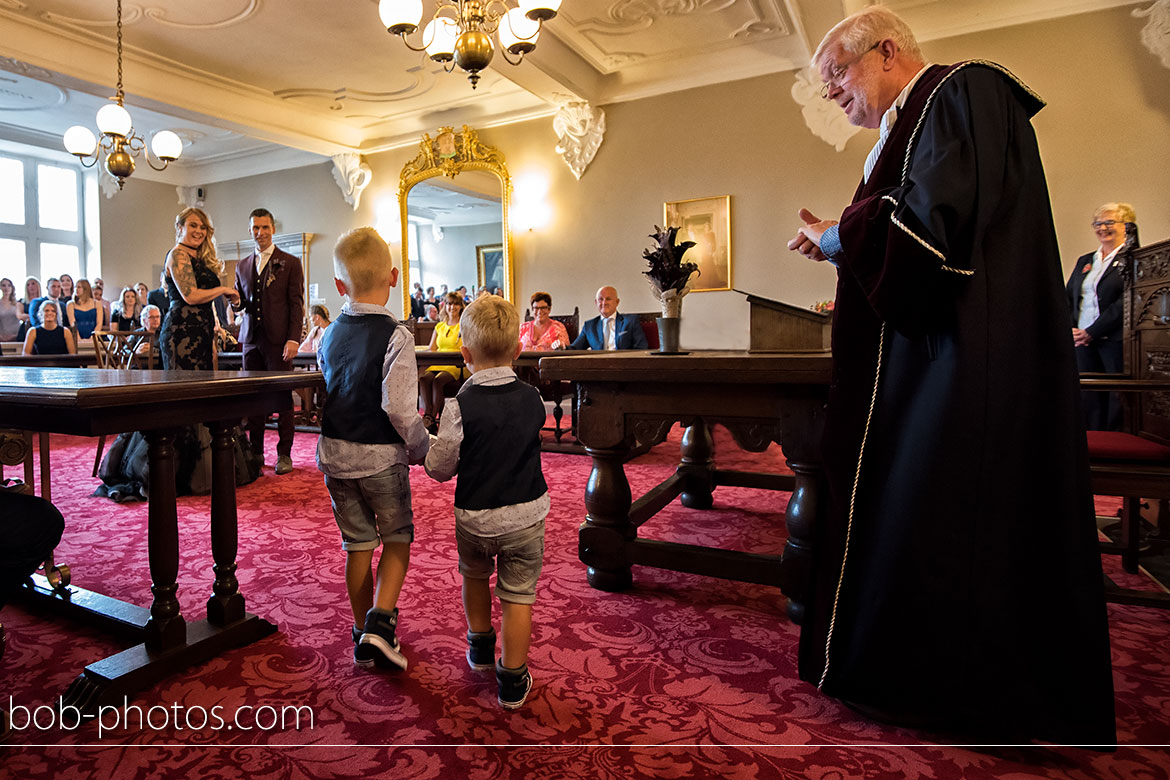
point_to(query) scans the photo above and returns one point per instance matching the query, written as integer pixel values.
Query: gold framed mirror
(453, 201)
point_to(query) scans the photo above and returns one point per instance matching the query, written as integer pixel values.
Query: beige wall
(1105, 133)
(138, 229)
(1104, 136)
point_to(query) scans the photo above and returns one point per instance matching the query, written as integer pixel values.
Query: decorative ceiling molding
(25, 69)
(18, 93)
(1155, 35)
(338, 99)
(159, 15)
(352, 176)
(614, 36)
(580, 129)
(824, 118)
(109, 185)
(130, 15)
(629, 15)
(133, 14)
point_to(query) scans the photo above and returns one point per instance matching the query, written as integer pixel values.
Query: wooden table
(79, 360)
(91, 402)
(628, 399)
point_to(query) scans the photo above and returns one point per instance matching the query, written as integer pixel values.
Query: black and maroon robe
(964, 585)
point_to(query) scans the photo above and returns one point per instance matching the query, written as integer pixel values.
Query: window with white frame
(42, 219)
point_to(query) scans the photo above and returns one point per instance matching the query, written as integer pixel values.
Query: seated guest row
(51, 338)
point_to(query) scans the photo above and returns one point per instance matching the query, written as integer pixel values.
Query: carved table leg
(698, 464)
(226, 605)
(607, 528)
(46, 469)
(800, 518)
(558, 413)
(166, 628)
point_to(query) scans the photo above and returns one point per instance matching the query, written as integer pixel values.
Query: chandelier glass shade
(118, 141)
(460, 31)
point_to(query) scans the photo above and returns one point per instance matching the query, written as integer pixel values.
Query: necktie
(888, 120)
(609, 338)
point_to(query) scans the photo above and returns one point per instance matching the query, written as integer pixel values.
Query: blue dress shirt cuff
(831, 245)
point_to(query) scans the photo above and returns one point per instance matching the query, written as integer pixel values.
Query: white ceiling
(260, 85)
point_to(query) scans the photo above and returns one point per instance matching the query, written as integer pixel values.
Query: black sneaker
(357, 658)
(481, 650)
(513, 686)
(377, 643)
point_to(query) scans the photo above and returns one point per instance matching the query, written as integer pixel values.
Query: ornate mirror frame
(449, 154)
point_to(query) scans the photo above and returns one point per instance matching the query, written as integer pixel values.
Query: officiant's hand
(808, 238)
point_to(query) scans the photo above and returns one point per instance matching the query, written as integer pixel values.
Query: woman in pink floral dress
(543, 332)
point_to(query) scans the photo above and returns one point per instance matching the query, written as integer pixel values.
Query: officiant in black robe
(957, 580)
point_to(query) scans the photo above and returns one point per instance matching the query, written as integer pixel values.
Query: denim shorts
(374, 509)
(520, 555)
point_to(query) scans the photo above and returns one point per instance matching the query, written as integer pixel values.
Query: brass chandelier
(459, 32)
(119, 141)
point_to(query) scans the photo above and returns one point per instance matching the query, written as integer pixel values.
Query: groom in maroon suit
(271, 284)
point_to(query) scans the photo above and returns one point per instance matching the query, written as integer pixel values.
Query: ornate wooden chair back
(1134, 464)
(123, 349)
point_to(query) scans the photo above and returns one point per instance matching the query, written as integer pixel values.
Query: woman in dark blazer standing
(1095, 298)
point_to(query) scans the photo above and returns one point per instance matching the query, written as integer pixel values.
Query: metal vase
(668, 334)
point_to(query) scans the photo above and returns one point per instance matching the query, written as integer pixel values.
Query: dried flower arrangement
(670, 278)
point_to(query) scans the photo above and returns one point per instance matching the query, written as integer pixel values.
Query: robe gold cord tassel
(852, 504)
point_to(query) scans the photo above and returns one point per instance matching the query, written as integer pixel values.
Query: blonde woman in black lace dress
(192, 275)
(186, 341)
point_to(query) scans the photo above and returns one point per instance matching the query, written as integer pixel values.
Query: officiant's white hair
(857, 32)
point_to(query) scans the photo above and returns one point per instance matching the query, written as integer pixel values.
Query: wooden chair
(649, 322)
(572, 322)
(556, 390)
(16, 449)
(127, 350)
(422, 332)
(1134, 464)
(122, 349)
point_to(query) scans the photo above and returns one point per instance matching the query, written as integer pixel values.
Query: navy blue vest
(352, 353)
(499, 459)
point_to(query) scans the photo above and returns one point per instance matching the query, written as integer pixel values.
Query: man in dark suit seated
(610, 330)
(158, 296)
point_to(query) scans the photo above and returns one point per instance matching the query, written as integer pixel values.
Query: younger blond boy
(490, 436)
(370, 433)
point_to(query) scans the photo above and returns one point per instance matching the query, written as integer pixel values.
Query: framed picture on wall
(707, 222)
(489, 265)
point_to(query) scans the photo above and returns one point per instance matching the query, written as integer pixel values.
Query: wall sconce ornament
(824, 118)
(1156, 34)
(352, 176)
(190, 197)
(580, 129)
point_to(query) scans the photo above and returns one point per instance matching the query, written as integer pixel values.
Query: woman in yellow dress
(435, 379)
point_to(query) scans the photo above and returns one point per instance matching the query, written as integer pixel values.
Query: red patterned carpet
(681, 677)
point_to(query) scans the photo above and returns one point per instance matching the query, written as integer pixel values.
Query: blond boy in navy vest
(490, 436)
(370, 433)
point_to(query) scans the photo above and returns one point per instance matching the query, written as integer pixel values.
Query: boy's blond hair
(490, 327)
(361, 259)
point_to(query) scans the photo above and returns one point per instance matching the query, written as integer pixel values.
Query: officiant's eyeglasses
(1106, 223)
(837, 72)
